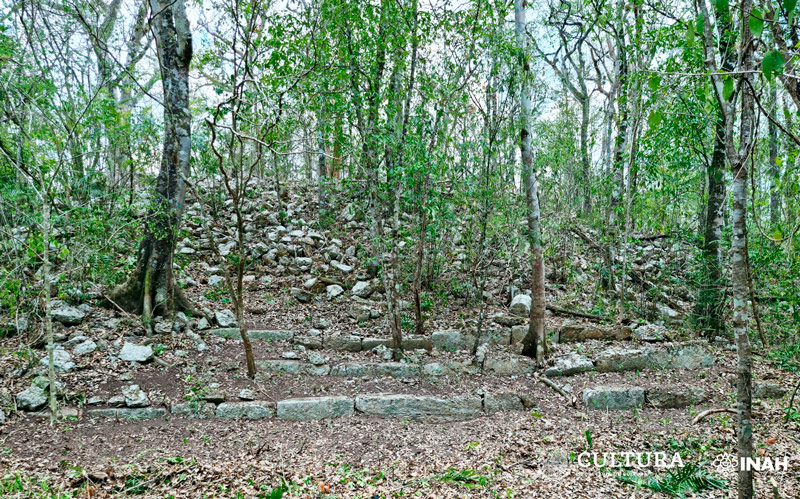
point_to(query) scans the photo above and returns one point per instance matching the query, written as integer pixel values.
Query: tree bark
(533, 345)
(149, 289)
(774, 169)
(48, 320)
(709, 308)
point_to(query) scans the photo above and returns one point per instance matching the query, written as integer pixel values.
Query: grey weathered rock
(32, 398)
(348, 343)
(452, 340)
(44, 383)
(225, 318)
(254, 334)
(348, 213)
(374, 370)
(215, 396)
(569, 364)
(247, 394)
(69, 316)
(85, 347)
(333, 291)
(341, 267)
(768, 391)
(128, 414)
(450, 368)
(613, 397)
(520, 306)
(687, 355)
(308, 342)
(304, 409)
(321, 323)
(362, 289)
(420, 406)
(194, 409)
(316, 358)
(132, 352)
(502, 402)
(62, 361)
(215, 281)
(300, 295)
(256, 409)
(229, 332)
(383, 352)
(509, 365)
(199, 344)
(572, 331)
(518, 334)
(624, 359)
(293, 367)
(651, 333)
(116, 400)
(74, 340)
(135, 396)
(675, 397)
(303, 262)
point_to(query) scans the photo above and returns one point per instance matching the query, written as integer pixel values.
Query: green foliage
(691, 479)
(772, 64)
(468, 478)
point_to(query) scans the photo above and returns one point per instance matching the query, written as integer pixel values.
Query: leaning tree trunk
(533, 345)
(149, 288)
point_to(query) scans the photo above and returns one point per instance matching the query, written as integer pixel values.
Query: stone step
(498, 365)
(622, 397)
(679, 355)
(690, 355)
(686, 355)
(449, 340)
(416, 407)
(409, 406)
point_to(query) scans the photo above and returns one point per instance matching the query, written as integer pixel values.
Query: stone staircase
(332, 356)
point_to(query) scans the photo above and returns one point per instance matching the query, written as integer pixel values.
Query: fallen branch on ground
(718, 410)
(571, 399)
(564, 311)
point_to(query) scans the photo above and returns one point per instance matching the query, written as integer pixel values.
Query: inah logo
(730, 462)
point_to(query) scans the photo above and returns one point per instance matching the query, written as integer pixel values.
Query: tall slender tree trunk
(774, 169)
(585, 162)
(48, 318)
(322, 167)
(149, 288)
(739, 260)
(789, 171)
(533, 345)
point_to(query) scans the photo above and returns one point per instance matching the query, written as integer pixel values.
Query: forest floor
(513, 435)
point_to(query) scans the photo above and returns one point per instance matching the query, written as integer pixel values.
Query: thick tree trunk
(149, 288)
(709, 308)
(533, 345)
